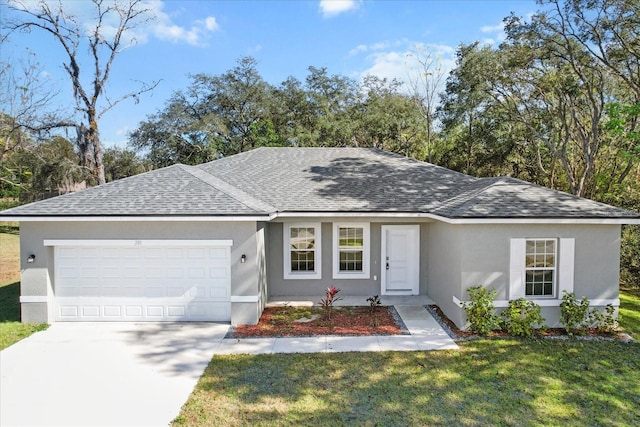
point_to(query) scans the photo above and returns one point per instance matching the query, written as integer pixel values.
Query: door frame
(415, 229)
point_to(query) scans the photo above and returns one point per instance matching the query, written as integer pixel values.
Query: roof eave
(136, 218)
(460, 220)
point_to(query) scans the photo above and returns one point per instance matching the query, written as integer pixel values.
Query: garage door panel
(112, 311)
(90, 311)
(156, 283)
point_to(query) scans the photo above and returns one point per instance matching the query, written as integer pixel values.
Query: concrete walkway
(426, 334)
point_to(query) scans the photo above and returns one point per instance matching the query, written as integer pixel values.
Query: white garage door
(142, 280)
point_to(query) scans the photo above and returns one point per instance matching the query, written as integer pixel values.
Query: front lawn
(630, 312)
(11, 330)
(488, 382)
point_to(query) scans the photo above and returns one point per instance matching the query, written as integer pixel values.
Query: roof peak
(228, 189)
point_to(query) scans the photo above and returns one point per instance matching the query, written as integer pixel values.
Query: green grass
(11, 330)
(486, 382)
(630, 312)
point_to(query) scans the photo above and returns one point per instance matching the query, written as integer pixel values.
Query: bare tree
(107, 32)
(25, 97)
(425, 85)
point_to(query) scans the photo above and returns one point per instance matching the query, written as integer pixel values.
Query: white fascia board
(619, 221)
(142, 243)
(461, 221)
(136, 218)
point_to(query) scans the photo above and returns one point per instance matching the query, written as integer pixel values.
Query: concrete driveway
(104, 373)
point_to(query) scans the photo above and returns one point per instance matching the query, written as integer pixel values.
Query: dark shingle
(168, 191)
(270, 180)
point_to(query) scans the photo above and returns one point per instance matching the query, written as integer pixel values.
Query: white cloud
(211, 24)
(161, 27)
(358, 49)
(497, 32)
(492, 28)
(330, 8)
(401, 60)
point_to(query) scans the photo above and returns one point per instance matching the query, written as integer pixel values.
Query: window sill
(315, 276)
(347, 276)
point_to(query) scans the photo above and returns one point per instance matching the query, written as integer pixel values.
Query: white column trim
(33, 298)
(245, 298)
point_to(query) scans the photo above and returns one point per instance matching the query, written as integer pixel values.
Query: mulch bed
(550, 333)
(349, 321)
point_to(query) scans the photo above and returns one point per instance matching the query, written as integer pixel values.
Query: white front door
(400, 259)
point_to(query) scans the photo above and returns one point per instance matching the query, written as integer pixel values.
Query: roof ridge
(228, 189)
(468, 193)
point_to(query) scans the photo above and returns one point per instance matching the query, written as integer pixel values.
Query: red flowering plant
(327, 302)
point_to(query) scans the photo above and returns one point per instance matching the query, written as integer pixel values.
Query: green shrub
(520, 318)
(374, 303)
(606, 321)
(480, 310)
(574, 314)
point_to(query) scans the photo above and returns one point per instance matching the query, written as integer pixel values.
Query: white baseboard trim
(548, 302)
(33, 298)
(245, 298)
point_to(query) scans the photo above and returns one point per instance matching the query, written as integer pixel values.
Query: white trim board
(551, 302)
(245, 298)
(457, 220)
(130, 242)
(33, 298)
(271, 217)
(136, 218)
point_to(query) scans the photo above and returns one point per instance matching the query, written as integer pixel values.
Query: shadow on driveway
(104, 373)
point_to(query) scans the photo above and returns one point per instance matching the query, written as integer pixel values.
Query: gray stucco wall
(483, 259)
(278, 286)
(445, 262)
(37, 278)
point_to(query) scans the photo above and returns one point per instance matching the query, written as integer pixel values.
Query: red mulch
(344, 321)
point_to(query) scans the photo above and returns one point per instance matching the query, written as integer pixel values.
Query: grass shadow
(10, 302)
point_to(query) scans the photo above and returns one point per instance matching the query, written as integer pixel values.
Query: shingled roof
(268, 181)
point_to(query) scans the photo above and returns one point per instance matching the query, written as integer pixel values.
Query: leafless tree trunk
(69, 32)
(425, 87)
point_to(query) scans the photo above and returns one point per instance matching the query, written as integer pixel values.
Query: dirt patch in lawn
(9, 256)
(310, 321)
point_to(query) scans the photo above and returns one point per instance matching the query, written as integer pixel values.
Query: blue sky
(351, 38)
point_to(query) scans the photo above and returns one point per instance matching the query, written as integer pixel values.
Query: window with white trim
(351, 251)
(302, 251)
(540, 267)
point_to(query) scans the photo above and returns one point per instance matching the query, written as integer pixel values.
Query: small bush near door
(480, 310)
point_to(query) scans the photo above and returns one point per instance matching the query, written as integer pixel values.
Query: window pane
(550, 246)
(531, 247)
(540, 263)
(350, 261)
(530, 261)
(350, 237)
(302, 238)
(302, 261)
(550, 261)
